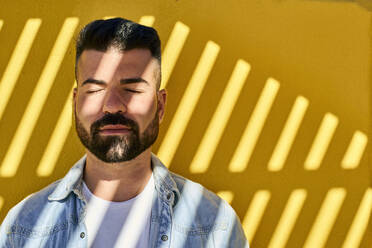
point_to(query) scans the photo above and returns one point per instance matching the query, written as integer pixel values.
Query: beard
(117, 148)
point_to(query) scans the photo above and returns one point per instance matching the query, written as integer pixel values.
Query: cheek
(142, 106)
(87, 109)
(142, 111)
(88, 106)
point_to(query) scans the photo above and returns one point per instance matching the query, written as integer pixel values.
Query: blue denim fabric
(184, 214)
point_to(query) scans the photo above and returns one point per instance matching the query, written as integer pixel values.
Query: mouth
(114, 129)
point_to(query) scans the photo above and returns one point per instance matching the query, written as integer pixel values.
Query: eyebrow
(93, 81)
(122, 81)
(133, 80)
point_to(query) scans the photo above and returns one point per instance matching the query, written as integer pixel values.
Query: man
(120, 194)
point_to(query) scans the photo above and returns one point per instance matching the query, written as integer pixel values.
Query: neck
(117, 181)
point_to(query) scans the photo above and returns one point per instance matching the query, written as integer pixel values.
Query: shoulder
(203, 204)
(196, 193)
(199, 211)
(43, 208)
(26, 212)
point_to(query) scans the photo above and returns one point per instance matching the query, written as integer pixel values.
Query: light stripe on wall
(326, 218)
(147, 20)
(172, 50)
(321, 142)
(288, 134)
(27, 124)
(288, 219)
(360, 222)
(254, 127)
(1, 24)
(57, 140)
(255, 212)
(16, 62)
(227, 195)
(188, 103)
(221, 116)
(1, 202)
(355, 151)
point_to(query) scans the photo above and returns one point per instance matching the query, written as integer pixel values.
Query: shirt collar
(164, 183)
(70, 182)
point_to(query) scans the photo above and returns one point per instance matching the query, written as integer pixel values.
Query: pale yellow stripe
(326, 218)
(321, 142)
(16, 62)
(254, 213)
(221, 116)
(108, 17)
(57, 140)
(254, 127)
(288, 134)
(227, 195)
(172, 50)
(147, 21)
(188, 103)
(288, 219)
(1, 24)
(360, 222)
(27, 124)
(144, 20)
(355, 151)
(1, 202)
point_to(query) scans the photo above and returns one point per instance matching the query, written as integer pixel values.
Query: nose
(113, 102)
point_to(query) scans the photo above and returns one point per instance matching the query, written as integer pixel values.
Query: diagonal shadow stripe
(58, 139)
(254, 127)
(16, 62)
(321, 142)
(288, 219)
(288, 134)
(255, 213)
(188, 103)
(327, 215)
(172, 50)
(25, 128)
(207, 147)
(355, 151)
(360, 222)
(147, 20)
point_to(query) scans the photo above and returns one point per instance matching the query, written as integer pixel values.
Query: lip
(114, 129)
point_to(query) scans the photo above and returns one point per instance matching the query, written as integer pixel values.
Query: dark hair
(118, 33)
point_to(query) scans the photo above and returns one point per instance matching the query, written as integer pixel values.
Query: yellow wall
(269, 105)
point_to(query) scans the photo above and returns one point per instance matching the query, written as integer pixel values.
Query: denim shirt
(184, 214)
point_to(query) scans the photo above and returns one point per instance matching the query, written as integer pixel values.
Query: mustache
(113, 119)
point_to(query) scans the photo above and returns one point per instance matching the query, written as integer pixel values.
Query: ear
(162, 98)
(74, 95)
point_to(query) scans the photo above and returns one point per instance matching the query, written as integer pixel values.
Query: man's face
(117, 105)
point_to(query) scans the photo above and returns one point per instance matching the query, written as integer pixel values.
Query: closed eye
(93, 91)
(133, 91)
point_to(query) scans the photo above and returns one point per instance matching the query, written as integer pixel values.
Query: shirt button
(169, 195)
(164, 237)
(82, 235)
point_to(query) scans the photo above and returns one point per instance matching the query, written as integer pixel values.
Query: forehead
(114, 63)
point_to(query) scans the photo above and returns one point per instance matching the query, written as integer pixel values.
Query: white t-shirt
(119, 224)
